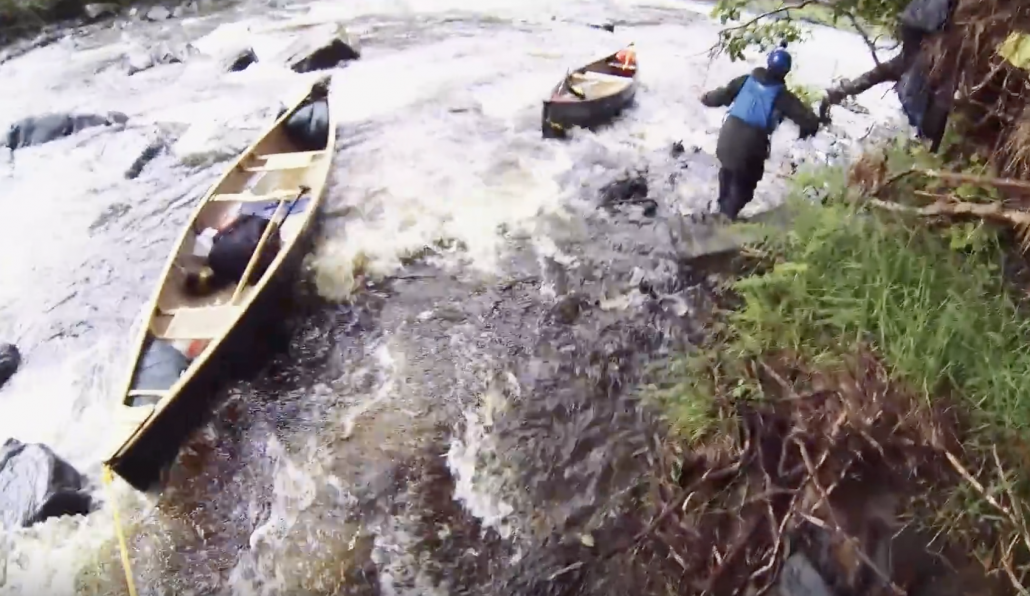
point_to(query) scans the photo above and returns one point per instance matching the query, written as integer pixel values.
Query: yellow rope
(108, 477)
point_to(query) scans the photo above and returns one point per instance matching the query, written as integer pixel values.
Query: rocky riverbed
(452, 407)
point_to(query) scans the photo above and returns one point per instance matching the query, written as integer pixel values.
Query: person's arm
(793, 108)
(723, 96)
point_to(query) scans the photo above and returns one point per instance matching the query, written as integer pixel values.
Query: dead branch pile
(991, 93)
(828, 464)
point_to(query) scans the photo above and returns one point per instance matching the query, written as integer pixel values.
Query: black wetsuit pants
(736, 189)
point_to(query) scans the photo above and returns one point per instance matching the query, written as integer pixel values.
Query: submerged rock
(36, 485)
(37, 130)
(10, 360)
(320, 49)
(629, 188)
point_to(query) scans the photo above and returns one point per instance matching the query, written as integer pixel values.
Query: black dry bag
(233, 246)
(308, 127)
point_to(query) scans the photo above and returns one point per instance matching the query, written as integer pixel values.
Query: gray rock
(10, 360)
(799, 578)
(100, 10)
(321, 48)
(158, 13)
(37, 130)
(36, 485)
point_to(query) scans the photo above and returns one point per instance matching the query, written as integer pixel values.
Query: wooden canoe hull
(560, 114)
(142, 462)
(155, 431)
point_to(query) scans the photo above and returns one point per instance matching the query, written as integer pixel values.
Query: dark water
(452, 408)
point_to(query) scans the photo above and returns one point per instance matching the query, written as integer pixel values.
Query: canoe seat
(208, 322)
(590, 76)
(247, 197)
(285, 161)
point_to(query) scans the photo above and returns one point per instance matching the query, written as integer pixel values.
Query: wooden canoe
(205, 334)
(590, 96)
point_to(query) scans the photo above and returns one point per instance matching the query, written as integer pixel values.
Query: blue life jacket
(755, 104)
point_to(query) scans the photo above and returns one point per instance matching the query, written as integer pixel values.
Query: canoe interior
(279, 180)
(596, 80)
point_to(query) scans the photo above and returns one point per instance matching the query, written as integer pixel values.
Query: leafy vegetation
(778, 20)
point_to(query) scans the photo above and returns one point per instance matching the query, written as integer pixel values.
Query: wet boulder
(321, 48)
(240, 60)
(145, 59)
(158, 13)
(10, 360)
(190, 8)
(36, 484)
(100, 10)
(37, 130)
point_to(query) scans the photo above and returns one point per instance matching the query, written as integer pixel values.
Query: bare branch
(779, 10)
(865, 37)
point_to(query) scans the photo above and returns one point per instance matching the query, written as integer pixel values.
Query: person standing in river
(758, 103)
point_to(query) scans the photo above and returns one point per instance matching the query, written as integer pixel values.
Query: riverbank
(860, 409)
(35, 23)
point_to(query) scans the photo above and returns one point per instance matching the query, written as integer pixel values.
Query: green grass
(939, 317)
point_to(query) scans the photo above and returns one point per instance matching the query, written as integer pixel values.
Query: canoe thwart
(312, 153)
(247, 197)
(209, 322)
(286, 161)
(147, 392)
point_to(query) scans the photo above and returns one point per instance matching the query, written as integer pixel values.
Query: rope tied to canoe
(108, 477)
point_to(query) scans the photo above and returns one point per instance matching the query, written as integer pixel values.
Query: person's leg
(745, 188)
(738, 192)
(726, 185)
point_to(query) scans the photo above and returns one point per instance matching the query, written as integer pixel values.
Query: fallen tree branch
(972, 179)
(955, 208)
(881, 73)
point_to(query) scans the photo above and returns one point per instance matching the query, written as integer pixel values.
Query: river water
(451, 404)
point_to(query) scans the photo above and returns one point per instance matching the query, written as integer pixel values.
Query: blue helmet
(779, 62)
